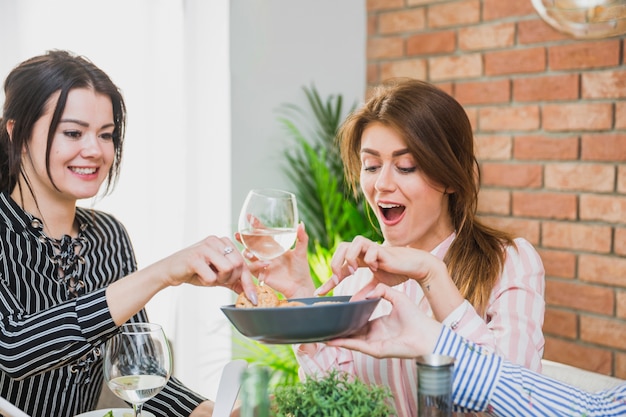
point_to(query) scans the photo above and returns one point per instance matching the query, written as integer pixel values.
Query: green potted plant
(336, 394)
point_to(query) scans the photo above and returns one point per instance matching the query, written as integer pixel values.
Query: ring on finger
(228, 250)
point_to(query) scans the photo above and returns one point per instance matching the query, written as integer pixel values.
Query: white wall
(278, 47)
(202, 80)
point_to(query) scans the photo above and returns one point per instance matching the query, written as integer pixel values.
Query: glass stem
(137, 409)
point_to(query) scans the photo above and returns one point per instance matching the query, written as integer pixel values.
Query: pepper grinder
(434, 385)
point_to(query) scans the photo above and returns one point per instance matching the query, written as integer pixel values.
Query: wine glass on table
(137, 363)
(268, 222)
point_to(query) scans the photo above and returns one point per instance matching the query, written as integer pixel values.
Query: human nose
(91, 146)
(385, 181)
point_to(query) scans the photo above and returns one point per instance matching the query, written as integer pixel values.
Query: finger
(249, 287)
(302, 239)
(337, 262)
(366, 291)
(355, 251)
(326, 287)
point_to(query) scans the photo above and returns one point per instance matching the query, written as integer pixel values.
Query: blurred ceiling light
(584, 18)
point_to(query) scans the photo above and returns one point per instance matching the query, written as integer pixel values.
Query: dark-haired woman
(68, 276)
(410, 150)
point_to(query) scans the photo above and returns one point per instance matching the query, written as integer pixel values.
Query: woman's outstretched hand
(289, 273)
(214, 261)
(405, 333)
(390, 265)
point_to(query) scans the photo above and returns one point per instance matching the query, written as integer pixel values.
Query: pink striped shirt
(511, 326)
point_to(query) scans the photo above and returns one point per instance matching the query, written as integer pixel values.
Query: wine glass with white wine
(268, 222)
(137, 363)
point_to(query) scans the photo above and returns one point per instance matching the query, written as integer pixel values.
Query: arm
(486, 382)
(482, 381)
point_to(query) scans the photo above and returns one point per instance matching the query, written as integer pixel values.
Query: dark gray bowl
(302, 324)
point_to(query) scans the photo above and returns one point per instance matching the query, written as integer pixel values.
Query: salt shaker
(254, 392)
(434, 385)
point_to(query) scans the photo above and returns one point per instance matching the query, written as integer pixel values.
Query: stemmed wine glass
(268, 223)
(137, 363)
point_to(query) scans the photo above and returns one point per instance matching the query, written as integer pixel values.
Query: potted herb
(336, 394)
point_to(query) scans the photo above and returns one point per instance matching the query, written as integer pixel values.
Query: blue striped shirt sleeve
(485, 382)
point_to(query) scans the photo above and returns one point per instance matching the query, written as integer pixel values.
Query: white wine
(137, 389)
(268, 243)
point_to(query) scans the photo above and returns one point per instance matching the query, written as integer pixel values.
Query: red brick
(620, 299)
(558, 263)
(472, 115)
(546, 88)
(620, 365)
(620, 115)
(509, 118)
(620, 241)
(584, 297)
(498, 9)
(598, 269)
(559, 206)
(511, 175)
(537, 31)
(516, 61)
(560, 323)
(457, 13)
(577, 116)
(483, 92)
(603, 207)
(373, 5)
(413, 68)
(621, 179)
(455, 67)
(585, 357)
(493, 147)
(372, 24)
(402, 21)
(494, 36)
(542, 147)
(604, 84)
(581, 177)
(528, 229)
(604, 332)
(431, 43)
(584, 55)
(576, 236)
(604, 147)
(494, 202)
(389, 47)
(422, 2)
(447, 87)
(373, 74)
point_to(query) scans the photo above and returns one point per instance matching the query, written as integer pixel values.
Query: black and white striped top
(54, 317)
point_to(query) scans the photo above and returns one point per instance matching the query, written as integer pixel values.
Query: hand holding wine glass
(268, 223)
(137, 363)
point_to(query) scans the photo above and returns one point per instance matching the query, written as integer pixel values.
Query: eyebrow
(85, 124)
(393, 154)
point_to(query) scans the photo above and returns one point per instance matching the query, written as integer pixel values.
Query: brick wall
(549, 114)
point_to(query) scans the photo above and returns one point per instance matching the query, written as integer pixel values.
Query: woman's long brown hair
(439, 136)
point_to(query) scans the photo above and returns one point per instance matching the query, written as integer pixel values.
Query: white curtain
(170, 58)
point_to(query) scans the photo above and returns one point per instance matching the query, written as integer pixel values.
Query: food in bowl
(267, 298)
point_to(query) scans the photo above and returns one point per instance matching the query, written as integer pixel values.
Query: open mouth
(391, 212)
